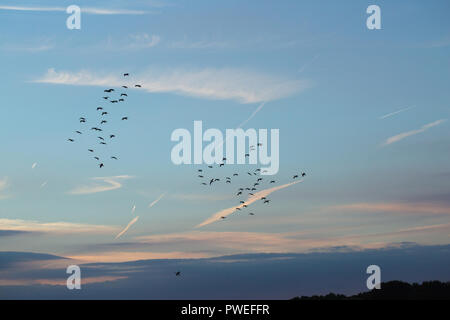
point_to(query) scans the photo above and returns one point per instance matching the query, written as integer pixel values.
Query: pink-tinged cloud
(127, 227)
(57, 282)
(404, 135)
(419, 208)
(257, 196)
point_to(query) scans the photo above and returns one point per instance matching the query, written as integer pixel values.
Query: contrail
(247, 120)
(404, 135)
(308, 63)
(257, 196)
(156, 201)
(252, 115)
(127, 227)
(394, 113)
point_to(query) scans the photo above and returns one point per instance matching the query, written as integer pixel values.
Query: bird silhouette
(101, 165)
(113, 158)
(125, 118)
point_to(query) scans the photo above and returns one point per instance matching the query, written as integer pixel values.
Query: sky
(364, 113)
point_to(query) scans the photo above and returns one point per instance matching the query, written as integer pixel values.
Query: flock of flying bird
(250, 189)
(101, 124)
(208, 181)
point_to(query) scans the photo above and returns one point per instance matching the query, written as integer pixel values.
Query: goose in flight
(272, 181)
(242, 201)
(120, 100)
(111, 136)
(123, 95)
(295, 177)
(96, 158)
(99, 108)
(101, 165)
(71, 140)
(266, 201)
(138, 86)
(221, 165)
(102, 142)
(104, 113)
(82, 120)
(210, 167)
(223, 218)
(178, 273)
(103, 121)
(113, 158)
(203, 183)
(101, 138)
(235, 175)
(78, 132)
(126, 74)
(239, 193)
(303, 174)
(106, 98)
(125, 87)
(211, 181)
(199, 170)
(200, 176)
(90, 150)
(251, 214)
(125, 118)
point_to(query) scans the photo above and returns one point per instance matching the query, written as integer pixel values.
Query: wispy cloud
(156, 201)
(404, 135)
(398, 207)
(394, 113)
(127, 227)
(143, 40)
(89, 10)
(220, 84)
(53, 227)
(109, 183)
(3, 186)
(257, 196)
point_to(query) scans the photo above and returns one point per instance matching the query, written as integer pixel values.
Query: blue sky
(326, 81)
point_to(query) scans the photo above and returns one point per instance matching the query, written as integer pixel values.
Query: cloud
(156, 201)
(57, 282)
(143, 40)
(125, 256)
(3, 186)
(53, 227)
(88, 10)
(399, 207)
(404, 135)
(394, 113)
(219, 84)
(111, 184)
(257, 196)
(127, 227)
